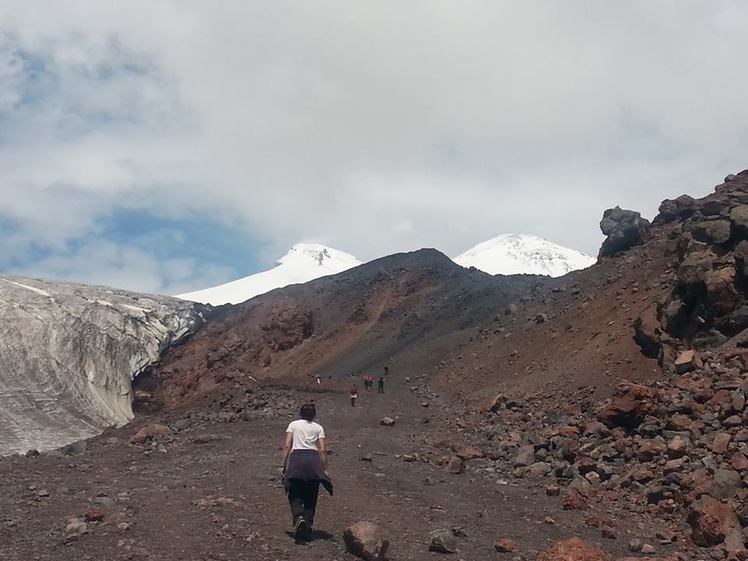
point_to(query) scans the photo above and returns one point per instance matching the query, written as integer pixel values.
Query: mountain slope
(516, 254)
(303, 263)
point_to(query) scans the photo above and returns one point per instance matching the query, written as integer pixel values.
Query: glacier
(68, 355)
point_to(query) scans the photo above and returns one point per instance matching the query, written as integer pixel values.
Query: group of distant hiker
(368, 385)
(304, 460)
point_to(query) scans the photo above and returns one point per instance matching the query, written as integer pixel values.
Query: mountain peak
(303, 262)
(512, 254)
(316, 253)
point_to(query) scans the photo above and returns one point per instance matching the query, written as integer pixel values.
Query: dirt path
(213, 493)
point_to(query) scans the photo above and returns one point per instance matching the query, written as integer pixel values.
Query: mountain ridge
(506, 254)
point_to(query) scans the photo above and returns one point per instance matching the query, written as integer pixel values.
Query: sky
(167, 146)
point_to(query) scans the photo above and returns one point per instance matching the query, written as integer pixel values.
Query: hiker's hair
(308, 412)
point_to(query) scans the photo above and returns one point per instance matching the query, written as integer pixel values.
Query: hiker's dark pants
(381, 388)
(303, 499)
(353, 402)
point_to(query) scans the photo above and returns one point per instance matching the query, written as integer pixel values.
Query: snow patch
(27, 287)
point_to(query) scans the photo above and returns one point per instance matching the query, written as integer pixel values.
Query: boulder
(725, 483)
(741, 258)
(713, 523)
(739, 217)
(573, 549)
(670, 209)
(387, 421)
(623, 228)
(712, 231)
(149, 432)
(364, 540)
(632, 403)
(647, 332)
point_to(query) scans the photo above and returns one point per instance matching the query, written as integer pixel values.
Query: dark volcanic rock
(624, 229)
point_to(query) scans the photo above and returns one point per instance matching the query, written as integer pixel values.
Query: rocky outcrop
(69, 353)
(624, 229)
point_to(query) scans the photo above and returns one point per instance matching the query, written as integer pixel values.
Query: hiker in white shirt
(304, 467)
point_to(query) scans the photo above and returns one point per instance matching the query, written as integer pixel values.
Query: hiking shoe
(300, 528)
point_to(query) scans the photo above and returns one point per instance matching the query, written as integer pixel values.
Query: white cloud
(375, 127)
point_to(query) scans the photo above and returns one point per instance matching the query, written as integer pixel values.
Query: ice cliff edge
(69, 352)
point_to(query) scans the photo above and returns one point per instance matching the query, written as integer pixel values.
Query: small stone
(455, 465)
(93, 514)
(648, 549)
(505, 546)
(443, 541)
(387, 421)
(76, 526)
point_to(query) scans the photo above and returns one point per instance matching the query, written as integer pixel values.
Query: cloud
(372, 127)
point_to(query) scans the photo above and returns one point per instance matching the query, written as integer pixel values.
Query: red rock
(505, 546)
(364, 540)
(574, 501)
(567, 431)
(647, 559)
(713, 523)
(720, 401)
(720, 442)
(93, 514)
(650, 450)
(679, 422)
(149, 432)
(467, 452)
(596, 427)
(573, 550)
(677, 447)
(687, 361)
(739, 461)
(628, 409)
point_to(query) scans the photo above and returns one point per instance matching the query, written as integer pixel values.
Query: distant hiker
(304, 467)
(380, 385)
(318, 379)
(368, 382)
(354, 395)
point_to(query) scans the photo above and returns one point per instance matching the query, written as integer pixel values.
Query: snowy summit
(304, 262)
(515, 254)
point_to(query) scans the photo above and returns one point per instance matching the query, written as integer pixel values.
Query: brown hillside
(476, 335)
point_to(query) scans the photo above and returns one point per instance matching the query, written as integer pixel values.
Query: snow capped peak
(317, 253)
(303, 262)
(513, 254)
